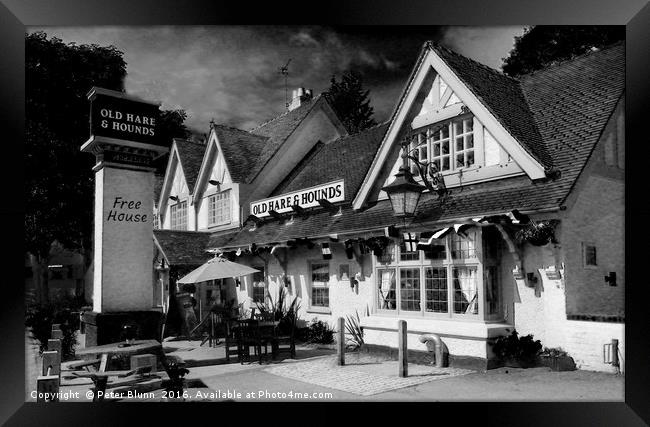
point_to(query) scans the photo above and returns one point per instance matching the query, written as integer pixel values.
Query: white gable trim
(174, 160)
(206, 166)
(433, 63)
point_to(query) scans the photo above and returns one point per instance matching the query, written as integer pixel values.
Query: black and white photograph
(324, 213)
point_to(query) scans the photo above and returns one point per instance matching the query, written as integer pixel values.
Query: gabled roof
(241, 151)
(191, 156)
(183, 247)
(503, 97)
(348, 157)
(571, 103)
(278, 130)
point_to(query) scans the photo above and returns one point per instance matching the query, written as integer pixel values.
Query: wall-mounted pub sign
(332, 192)
(119, 116)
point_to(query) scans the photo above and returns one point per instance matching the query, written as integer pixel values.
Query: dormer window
(178, 213)
(219, 208)
(448, 145)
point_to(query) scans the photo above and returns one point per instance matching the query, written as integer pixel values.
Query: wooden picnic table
(118, 349)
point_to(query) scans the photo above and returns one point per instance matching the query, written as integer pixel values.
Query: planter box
(558, 363)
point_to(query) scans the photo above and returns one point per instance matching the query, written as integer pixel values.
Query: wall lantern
(214, 182)
(404, 193)
(174, 198)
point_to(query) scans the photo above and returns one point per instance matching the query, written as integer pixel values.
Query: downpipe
(434, 343)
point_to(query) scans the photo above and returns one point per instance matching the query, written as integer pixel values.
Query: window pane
(320, 297)
(405, 255)
(445, 132)
(465, 290)
(445, 163)
(463, 247)
(436, 250)
(445, 147)
(470, 158)
(386, 289)
(469, 141)
(435, 282)
(320, 274)
(460, 158)
(469, 123)
(409, 284)
(459, 144)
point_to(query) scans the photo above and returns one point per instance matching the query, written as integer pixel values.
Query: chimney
(300, 96)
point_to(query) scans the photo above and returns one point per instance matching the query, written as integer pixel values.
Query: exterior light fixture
(404, 193)
(214, 182)
(174, 198)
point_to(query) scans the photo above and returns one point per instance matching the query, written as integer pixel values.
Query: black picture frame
(16, 14)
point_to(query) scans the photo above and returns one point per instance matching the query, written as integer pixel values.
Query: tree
(350, 101)
(60, 181)
(544, 45)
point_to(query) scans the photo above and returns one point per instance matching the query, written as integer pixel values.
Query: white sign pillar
(125, 144)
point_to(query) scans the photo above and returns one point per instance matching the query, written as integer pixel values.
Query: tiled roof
(503, 97)
(183, 247)
(571, 103)
(347, 158)
(277, 131)
(241, 151)
(191, 156)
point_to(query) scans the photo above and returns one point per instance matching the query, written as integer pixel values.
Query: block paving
(351, 378)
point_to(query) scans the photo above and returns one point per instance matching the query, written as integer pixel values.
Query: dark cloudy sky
(231, 73)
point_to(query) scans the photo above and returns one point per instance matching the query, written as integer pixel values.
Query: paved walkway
(363, 378)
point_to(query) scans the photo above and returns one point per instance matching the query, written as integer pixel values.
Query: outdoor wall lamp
(214, 182)
(404, 193)
(174, 198)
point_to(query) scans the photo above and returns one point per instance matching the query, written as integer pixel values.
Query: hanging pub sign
(332, 192)
(118, 116)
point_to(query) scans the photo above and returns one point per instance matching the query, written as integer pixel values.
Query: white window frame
(178, 216)
(448, 264)
(424, 140)
(256, 285)
(226, 210)
(319, 285)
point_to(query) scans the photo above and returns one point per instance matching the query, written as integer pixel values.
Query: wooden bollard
(47, 388)
(402, 346)
(340, 345)
(57, 334)
(54, 345)
(51, 360)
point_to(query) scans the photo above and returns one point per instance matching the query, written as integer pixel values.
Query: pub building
(484, 204)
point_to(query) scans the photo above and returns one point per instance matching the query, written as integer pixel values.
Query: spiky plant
(355, 330)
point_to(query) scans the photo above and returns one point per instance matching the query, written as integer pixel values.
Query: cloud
(487, 45)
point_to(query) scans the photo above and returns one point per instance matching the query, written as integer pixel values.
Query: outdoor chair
(253, 334)
(232, 339)
(285, 341)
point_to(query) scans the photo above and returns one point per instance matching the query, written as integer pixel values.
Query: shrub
(39, 318)
(514, 348)
(318, 332)
(354, 329)
(287, 315)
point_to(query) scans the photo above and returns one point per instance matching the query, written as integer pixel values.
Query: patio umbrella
(216, 268)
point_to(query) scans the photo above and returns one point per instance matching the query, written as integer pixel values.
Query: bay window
(451, 279)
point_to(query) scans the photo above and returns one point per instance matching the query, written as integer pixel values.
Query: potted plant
(537, 233)
(557, 359)
(517, 352)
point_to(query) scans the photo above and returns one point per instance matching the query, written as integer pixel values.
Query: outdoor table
(116, 349)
